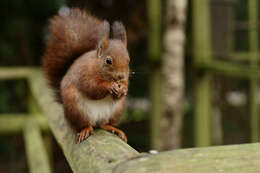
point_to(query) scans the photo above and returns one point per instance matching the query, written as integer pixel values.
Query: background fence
(206, 65)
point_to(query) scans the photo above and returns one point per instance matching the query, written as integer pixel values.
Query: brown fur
(70, 37)
(72, 114)
(75, 62)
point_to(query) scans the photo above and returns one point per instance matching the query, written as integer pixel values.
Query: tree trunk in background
(172, 68)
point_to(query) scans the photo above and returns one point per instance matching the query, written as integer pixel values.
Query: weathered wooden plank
(101, 152)
(36, 153)
(14, 123)
(229, 159)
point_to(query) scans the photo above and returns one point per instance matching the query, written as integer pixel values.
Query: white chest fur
(97, 110)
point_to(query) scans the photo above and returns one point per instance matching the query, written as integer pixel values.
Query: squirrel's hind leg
(76, 119)
(112, 129)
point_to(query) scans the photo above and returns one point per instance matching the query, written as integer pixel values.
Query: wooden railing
(30, 124)
(104, 152)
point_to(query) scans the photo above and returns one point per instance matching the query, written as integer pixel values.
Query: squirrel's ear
(119, 32)
(103, 38)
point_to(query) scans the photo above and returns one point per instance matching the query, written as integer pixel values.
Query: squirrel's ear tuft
(103, 38)
(119, 32)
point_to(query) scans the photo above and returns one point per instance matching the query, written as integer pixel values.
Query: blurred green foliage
(23, 23)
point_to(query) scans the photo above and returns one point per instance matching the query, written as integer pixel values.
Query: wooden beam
(237, 56)
(230, 69)
(14, 123)
(101, 152)
(104, 152)
(8, 73)
(36, 153)
(229, 159)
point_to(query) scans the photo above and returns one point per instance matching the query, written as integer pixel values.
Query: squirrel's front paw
(117, 90)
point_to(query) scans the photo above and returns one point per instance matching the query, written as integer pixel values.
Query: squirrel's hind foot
(84, 134)
(114, 130)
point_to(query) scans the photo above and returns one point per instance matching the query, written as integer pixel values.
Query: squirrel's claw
(84, 133)
(114, 130)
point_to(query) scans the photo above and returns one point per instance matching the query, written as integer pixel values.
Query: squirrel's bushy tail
(71, 35)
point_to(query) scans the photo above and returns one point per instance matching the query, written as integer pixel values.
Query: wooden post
(154, 52)
(33, 107)
(155, 109)
(35, 151)
(253, 47)
(201, 54)
(35, 110)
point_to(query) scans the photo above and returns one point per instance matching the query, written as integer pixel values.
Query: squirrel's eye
(108, 61)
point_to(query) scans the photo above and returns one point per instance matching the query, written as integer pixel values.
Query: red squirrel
(88, 71)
